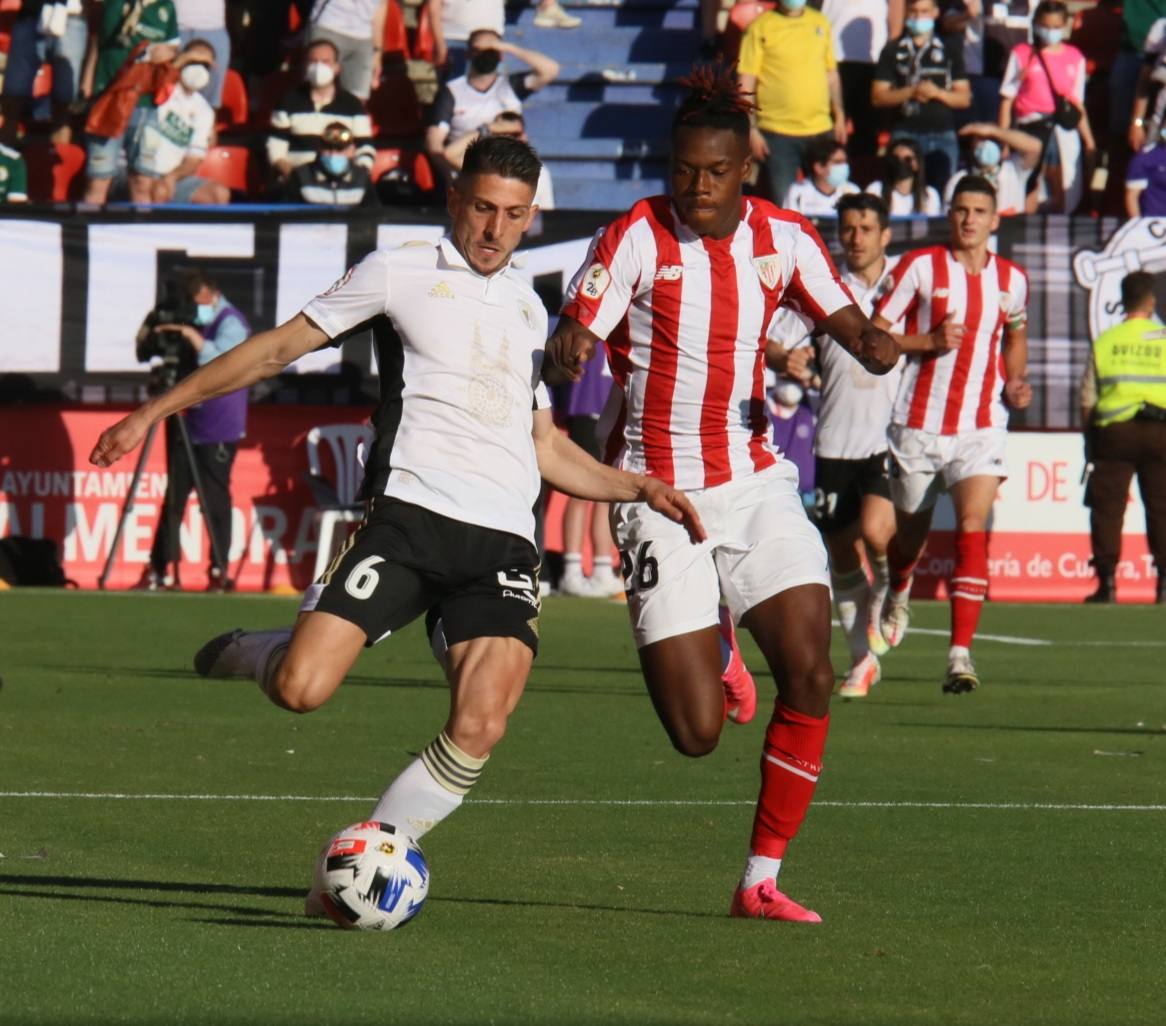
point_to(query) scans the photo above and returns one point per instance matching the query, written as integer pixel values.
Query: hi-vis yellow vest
(1131, 370)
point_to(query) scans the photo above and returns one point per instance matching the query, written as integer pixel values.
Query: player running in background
(853, 506)
(463, 431)
(950, 421)
(684, 291)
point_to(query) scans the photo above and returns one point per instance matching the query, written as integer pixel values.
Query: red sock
(790, 763)
(969, 585)
(900, 567)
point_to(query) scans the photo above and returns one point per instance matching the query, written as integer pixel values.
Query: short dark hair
(324, 42)
(1136, 288)
(479, 32)
(192, 280)
(820, 151)
(206, 44)
(862, 201)
(502, 155)
(1054, 7)
(974, 183)
(714, 100)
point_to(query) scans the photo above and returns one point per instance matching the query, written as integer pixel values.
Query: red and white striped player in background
(964, 329)
(684, 290)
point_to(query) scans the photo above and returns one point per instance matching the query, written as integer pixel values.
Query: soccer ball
(371, 876)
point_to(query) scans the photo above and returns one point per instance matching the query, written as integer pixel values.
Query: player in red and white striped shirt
(964, 329)
(684, 290)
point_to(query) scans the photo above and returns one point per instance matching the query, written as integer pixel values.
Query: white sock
(851, 595)
(572, 568)
(759, 868)
(430, 787)
(881, 573)
(601, 565)
(957, 652)
(249, 653)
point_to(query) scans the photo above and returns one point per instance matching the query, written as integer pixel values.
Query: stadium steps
(602, 127)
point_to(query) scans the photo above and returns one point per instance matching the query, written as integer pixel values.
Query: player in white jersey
(852, 492)
(949, 426)
(685, 290)
(462, 435)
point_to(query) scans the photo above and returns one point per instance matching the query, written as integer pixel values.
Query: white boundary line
(606, 802)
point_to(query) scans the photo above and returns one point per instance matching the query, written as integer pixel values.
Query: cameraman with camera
(205, 325)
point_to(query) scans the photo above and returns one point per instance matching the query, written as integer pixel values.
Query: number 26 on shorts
(641, 572)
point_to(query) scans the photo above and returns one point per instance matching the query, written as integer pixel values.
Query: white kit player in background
(463, 431)
(964, 313)
(852, 502)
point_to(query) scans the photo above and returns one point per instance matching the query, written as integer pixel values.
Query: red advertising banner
(1039, 548)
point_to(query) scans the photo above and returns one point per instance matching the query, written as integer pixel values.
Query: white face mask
(195, 77)
(788, 393)
(320, 74)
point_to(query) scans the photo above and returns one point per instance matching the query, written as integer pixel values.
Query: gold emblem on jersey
(768, 269)
(489, 398)
(526, 313)
(595, 281)
(441, 290)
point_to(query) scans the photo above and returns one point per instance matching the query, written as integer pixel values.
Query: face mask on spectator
(788, 393)
(195, 77)
(1048, 36)
(320, 74)
(793, 5)
(485, 62)
(901, 168)
(838, 174)
(205, 314)
(334, 163)
(919, 26)
(987, 153)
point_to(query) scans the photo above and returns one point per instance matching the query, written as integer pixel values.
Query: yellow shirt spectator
(790, 57)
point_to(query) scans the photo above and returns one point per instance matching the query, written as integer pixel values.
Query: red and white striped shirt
(686, 319)
(960, 390)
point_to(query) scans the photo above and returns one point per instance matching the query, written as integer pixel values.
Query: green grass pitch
(986, 859)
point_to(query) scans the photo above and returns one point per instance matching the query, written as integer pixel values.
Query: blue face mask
(987, 153)
(1048, 36)
(334, 163)
(206, 314)
(920, 26)
(838, 174)
(793, 5)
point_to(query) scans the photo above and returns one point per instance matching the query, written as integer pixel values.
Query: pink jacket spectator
(1026, 83)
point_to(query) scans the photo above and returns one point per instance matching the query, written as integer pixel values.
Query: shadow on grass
(1149, 731)
(579, 906)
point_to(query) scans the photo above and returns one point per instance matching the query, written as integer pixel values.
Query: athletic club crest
(768, 269)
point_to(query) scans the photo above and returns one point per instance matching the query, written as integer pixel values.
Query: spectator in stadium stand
(299, 119)
(172, 140)
(45, 33)
(1123, 411)
(1005, 157)
(471, 102)
(452, 22)
(1040, 77)
(508, 122)
(452, 476)
(860, 30)
(965, 20)
(13, 176)
(903, 185)
(1147, 115)
(1145, 194)
(357, 29)
(215, 428)
(792, 420)
(333, 178)
(207, 19)
(827, 180)
(787, 66)
(151, 24)
(1138, 17)
(920, 75)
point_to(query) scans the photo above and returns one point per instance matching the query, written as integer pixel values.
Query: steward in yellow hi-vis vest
(1123, 405)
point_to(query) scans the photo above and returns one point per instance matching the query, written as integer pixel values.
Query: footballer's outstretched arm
(262, 356)
(574, 472)
(947, 336)
(869, 343)
(571, 346)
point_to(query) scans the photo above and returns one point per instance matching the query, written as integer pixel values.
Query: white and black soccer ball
(371, 876)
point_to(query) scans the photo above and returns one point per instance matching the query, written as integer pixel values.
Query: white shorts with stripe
(922, 462)
(760, 542)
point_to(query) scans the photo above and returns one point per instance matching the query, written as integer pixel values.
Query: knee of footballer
(477, 733)
(810, 692)
(695, 739)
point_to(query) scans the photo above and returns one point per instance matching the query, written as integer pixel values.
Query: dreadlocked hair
(714, 100)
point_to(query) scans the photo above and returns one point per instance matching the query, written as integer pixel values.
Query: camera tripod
(218, 555)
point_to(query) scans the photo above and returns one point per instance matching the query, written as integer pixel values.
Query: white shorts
(760, 542)
(920, 458)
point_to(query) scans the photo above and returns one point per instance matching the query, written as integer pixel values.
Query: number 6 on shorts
(363, 579)
(639, 574)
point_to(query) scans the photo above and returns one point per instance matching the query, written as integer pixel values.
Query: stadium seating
(232, 166)
(393, 105)
(396, 38)
(335, 494)
(54, 171)
(741, 16)
(235, 108)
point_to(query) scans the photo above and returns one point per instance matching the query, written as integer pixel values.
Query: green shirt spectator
(124, 24)
(13, 176)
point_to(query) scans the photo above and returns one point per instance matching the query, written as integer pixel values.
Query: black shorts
(840, 486)
(404, 561)
(581, 431)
